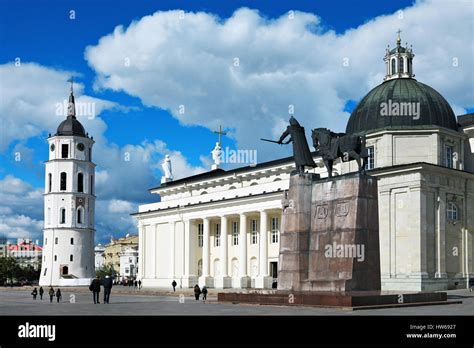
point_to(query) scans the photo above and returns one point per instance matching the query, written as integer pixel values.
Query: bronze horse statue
(331, 146)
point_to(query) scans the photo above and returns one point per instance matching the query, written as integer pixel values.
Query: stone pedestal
(293, 259)
(330, 238)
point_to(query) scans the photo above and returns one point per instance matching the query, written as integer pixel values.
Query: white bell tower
(69, 203)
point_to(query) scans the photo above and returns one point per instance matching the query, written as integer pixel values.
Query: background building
(25, 251)
(99, 256)
(129, 263)
(116, 248)
(221, 228)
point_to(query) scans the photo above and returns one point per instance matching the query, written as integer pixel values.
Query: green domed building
(423, 157)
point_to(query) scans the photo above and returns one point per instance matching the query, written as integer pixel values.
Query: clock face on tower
(52, 147)
(80, 147)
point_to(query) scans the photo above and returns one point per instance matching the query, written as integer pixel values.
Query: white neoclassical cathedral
(222, 228)
(69, 201)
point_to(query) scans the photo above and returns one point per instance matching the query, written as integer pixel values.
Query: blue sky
(138, 106)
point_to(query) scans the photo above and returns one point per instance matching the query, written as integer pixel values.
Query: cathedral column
(141, 249)
(172, 225)
(223, 280)
(244, 278)
(441, 237)
(205, 279)
(189, 254)
(263, 280)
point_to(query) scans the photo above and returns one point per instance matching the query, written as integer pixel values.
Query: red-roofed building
(25, 252)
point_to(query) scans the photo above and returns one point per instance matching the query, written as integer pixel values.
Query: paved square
(20, 302)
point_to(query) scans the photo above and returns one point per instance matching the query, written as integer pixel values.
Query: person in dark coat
(51, 294)
(204, 293)
(34, 293)
(139, 284)
(95, 288)
(301, 153)
(41, 292)
(197, 292)
(173, 284)
(107, 288)
(58, 294)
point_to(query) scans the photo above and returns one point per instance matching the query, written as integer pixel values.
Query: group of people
(51, 293)
(197, 291)
(130, 282)
(95, 288)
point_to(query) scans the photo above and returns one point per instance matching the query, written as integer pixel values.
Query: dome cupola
(398, 61)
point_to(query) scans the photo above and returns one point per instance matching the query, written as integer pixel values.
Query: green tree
(9, 269)
(104, 271)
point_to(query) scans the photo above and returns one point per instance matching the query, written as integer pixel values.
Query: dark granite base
(354, 300)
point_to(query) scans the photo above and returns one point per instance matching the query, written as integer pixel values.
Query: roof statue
(167, 170)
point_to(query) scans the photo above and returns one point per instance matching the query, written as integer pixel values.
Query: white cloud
(285, 61)
(21, 209)
(120, 206)
(30, 104)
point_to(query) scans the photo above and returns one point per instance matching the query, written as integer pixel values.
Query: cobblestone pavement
(18, 301)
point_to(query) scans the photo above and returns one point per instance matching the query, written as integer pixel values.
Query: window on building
(62, 185)
(126, 270)
(56, 240)
(370, 164)
(45, 270)
(48, 216)
(217, 240)
(90, 154)
(72, 241)
(55, 257)
(200, 235)
(275, 229)
(50, 182)
(235, 233)
(80, 182)
(393, 66)
(64, 151)
(70, 257)
(45, 241)
(448, 156)
(254, 231)
(79, 216)
(400, 65)
(409, 66)
(452, 211)
(92, 185)
(62, 216)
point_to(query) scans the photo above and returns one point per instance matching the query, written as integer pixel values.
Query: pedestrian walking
(135, 283)
(51, 294)
(197, 292)
(139, 284)
(58, 295)
(107, 288)
(173, 284)
(34, 293)
(204, 293)
(41, 292)
(95, 288)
